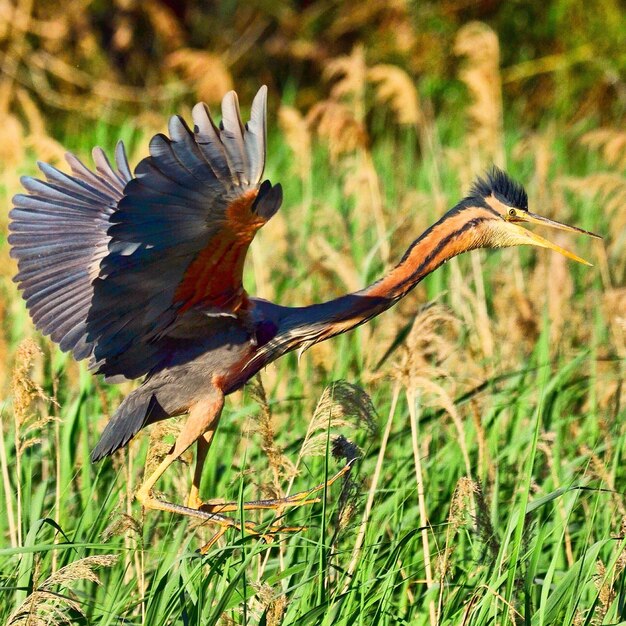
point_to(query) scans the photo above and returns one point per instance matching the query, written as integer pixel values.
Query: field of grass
(488, 409)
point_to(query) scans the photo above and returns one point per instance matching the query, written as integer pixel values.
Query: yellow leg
(200, 427)
(204, 443)
(202, 421)
(214, 507)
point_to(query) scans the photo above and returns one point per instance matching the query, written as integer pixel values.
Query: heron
(142, 273)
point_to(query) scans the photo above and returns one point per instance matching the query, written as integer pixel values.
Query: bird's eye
(512, 212)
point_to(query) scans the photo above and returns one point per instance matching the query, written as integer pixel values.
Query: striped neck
(461, 229)
(456, 232)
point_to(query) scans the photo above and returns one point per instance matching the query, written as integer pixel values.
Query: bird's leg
(204, 443)
(202, 422)
(200, 427)
(216, 507)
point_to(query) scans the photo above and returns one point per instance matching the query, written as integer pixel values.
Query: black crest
(500, 185)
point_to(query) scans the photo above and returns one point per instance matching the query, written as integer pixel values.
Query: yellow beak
(536, 240)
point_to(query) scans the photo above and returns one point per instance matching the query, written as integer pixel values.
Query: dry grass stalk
(545, 445)
(205, 71)
(540, 148)
(483, 323)
(460, 507)
(14, 534)
(614, 307)
(340, 121)
(361, 182)
(37, 137)
(274, 605)
(121, 525)
(47, 607)
(358, 544)
(297, 136)
(481, 74)
(608, 187)
(27, 425)
(24, 389)
(559, 291)
(339, 265)
(342, 405)
(465, 304)
(611, 142)
(515, 322)
(280, 465)
(598, 469)
(12, 148)
(349, 74)
(483, 524)
(430, 342)
(337, 125)
(162, 436)
(606, 593)
(395, 87)
(24, 129)
(486, 468)
(165, 24)
(421, 499)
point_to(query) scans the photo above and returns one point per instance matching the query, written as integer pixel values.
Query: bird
(141, 272)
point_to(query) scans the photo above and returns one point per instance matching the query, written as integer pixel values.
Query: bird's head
(506, 202)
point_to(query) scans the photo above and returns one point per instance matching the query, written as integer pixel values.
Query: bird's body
(143, 273)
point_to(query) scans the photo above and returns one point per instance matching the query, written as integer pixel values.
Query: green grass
(535, 537)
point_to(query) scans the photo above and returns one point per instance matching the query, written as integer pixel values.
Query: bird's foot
(212, 511)
(267, 534)
(149, 501)
(302, 498)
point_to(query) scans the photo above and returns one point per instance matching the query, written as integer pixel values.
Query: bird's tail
(138, 409)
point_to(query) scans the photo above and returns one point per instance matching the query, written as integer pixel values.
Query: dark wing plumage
(176, 238)
(180, 234)
(59, 237)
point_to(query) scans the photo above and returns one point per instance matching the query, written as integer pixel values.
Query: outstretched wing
(59, 238)
(176, 238)
(180, 234)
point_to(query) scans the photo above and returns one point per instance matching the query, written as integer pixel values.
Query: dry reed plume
(27, 428)
(297, 136)
(341, 406)
(280, 465)
(396, 88)
(608, 189)
(481, 74)
(206, 71)
(46, 606)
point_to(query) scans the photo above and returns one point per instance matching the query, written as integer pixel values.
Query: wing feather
(232, 131)
(255, 137)
(58, 236)
(207, 137)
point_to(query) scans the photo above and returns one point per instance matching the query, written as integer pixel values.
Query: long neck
(301, 327)
(450, 236)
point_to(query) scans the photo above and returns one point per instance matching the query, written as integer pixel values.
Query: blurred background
(560, 61)
(406, 101)
(380, 115)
